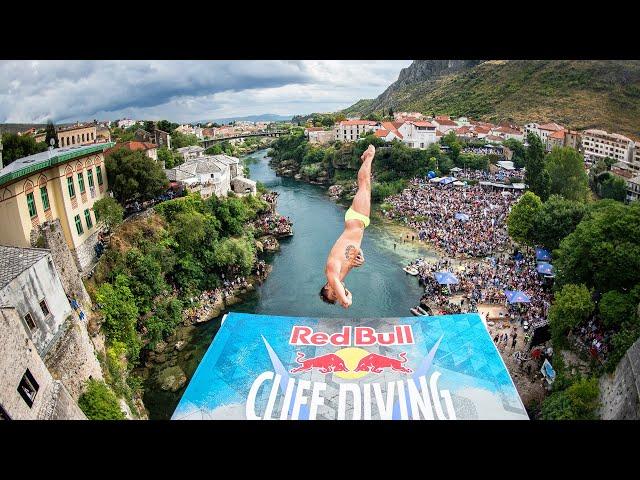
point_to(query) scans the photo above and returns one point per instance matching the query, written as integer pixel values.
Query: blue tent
(446, 278)
(462, 217)
(516, 296)
(447, 180)
(431, 174)
(545, 268)
(542, 255)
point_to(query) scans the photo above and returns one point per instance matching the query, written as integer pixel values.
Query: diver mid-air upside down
(346, 252)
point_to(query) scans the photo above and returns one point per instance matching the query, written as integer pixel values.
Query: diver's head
(327, 294)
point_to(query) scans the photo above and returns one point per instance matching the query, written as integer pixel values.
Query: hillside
(577, 93)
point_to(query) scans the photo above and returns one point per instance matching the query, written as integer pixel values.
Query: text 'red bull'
(352, 336)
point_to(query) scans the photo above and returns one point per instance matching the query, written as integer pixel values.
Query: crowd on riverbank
(463, 222)
(273, 224)
(483, 175)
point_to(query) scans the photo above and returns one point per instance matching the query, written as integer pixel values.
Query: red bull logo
(375, 363)
(325, 363)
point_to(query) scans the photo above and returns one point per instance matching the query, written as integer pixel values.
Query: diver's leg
(362, 200)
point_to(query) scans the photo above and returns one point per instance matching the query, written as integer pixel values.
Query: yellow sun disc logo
(351, 356)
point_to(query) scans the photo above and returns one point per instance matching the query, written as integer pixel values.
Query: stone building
(150, 149)
(191, 152)
(77, 135)
(28, 391)
(29, 283)
(59, 184)
(159, 137)
(212, 175)
(44, 362)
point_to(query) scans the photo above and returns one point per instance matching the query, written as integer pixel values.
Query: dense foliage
(577, 402)
(170, 158)
(521, 220)
(108, 212)
(99, 402)
(17, 146)
(132, 175)
(572, 306)
(155, 265)
(567, 177)
(536, 175)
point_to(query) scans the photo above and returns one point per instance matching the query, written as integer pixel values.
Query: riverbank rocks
(171, 379)
(270, 243)
(160, 346)
(180, 344)
(297, 176)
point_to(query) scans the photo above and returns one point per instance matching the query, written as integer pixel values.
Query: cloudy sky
(184, 91)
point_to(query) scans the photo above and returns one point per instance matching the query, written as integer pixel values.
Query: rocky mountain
(577, 93)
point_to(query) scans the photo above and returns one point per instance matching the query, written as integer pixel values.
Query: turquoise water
(380, 288)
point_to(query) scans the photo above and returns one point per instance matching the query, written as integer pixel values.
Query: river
(380, 288)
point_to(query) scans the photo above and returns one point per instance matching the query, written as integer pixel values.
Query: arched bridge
(264, 133)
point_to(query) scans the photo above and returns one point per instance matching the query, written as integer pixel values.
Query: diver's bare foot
(368, 153)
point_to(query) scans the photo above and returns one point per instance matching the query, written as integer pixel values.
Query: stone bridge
(263, 133)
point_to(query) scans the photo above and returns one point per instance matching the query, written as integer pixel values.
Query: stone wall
(85, 254)
(73, 358)
(19, 354)
(53, 238)
(620, 391)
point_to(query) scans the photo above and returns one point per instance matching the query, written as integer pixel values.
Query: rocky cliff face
(619, 392)
(420, 71)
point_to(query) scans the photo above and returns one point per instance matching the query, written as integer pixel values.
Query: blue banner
(296, 368)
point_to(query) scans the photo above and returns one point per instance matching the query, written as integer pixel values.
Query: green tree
(519, 152)
(455, 147)
(167, 126)
(557, 218)
(108, 212)
(18, 146)
(536, 176)
(149, 126)
(617, 307)
(578, 402)
(134, 176)
(572, 306)
(522, 218)
(179, 140)
(604, 250)
(118, 306)
(51, 134)
(614, 188)
(98, 402)
(567, 176)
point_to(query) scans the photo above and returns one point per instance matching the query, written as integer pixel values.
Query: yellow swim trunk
(353, 215)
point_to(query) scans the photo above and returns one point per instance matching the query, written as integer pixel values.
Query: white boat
(411, 270)
(421, 310)
(418, 312)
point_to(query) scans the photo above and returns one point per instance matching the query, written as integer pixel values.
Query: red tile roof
(133, 146)
(381, 132)
(551, 126)
(443, 121)
(559, 134)
(423, 124)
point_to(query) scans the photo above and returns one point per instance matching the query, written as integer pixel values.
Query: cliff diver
(346, 252)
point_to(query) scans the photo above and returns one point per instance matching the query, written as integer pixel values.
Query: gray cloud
(34, 91)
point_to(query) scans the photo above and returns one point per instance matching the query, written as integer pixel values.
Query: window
(30, 323)
(32, 205)
(70, 187)
(81, 182)
(28, 388)
(44, 195)
(73, 140)
(83, 137)
(44, 307)
(78, 225)
(87, 218)
(90, 176)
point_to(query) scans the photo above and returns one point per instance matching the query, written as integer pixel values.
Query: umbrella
(446, 278)
(431, 174)
(518, 256)
(517, 296)
(545, 268)
(542, 255)
(462, 217)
